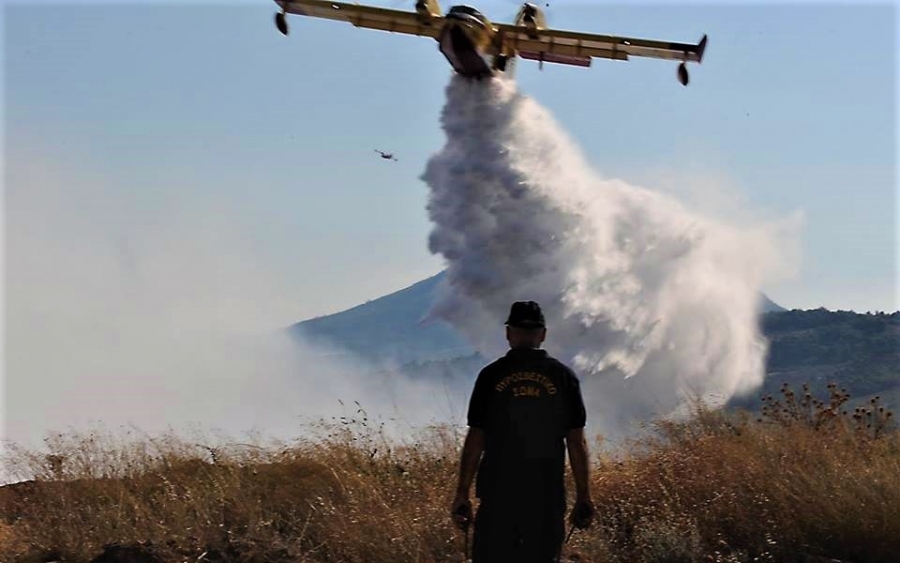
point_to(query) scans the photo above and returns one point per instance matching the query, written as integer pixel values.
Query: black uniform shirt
(525, 402)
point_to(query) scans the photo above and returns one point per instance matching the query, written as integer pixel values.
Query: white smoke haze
(650, 302)
(162, 319)
(165, 317)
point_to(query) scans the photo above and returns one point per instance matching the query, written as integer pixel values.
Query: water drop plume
(650, 302)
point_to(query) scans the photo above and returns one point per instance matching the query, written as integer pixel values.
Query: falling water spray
(651, 303)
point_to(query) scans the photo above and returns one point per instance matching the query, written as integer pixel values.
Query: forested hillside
(860, 352)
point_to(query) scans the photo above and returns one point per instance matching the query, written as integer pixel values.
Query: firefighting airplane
(478, 48)
(387, 155)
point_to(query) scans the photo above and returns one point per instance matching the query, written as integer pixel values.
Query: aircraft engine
(531, 17)
(428, 9)
(528, 16)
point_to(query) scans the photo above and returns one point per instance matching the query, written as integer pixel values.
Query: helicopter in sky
(387, 155)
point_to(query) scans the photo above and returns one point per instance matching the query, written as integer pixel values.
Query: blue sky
(206, 105)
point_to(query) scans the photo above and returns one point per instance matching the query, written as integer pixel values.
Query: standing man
(526, 409)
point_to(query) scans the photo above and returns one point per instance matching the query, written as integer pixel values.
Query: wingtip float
(477, 48)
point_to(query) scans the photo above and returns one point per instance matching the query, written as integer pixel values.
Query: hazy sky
(207, 107)
(174, 173)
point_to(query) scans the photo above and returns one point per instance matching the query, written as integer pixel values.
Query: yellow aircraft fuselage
(464, 39)
(470, 41)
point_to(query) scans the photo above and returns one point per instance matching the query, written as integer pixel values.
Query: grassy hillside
(805, 481)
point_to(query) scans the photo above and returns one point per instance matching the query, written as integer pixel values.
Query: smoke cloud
(162, 317)
(650, 302)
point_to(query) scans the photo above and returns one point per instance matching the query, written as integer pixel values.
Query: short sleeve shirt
(525, 402)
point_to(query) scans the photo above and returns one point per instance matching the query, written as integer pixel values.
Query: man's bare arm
(468, 464)
(578, 457)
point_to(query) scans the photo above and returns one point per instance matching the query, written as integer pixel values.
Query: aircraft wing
(569, 47)
(397, 21)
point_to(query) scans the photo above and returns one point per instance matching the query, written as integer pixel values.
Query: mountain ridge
(393, 327)
(858, 351)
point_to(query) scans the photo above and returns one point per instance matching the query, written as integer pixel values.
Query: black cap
(525, 314)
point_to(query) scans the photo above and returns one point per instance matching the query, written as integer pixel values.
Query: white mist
(651, 303)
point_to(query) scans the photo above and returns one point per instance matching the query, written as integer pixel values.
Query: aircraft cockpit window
(465, 10)
(468, 11)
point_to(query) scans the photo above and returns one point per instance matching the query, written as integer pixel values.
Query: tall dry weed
(806, 478)
(798, 481)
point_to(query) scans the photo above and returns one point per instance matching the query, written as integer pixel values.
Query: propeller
(519, 3)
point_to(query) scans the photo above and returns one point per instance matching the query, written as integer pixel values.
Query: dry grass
(806, 479)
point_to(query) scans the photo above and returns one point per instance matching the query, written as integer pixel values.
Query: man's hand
(462, 512)
(582, 514)
(473, 447)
